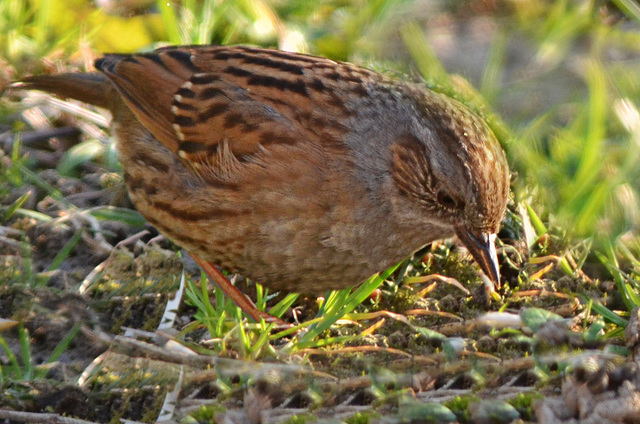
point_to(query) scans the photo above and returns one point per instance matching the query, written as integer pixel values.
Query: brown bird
(298, 172)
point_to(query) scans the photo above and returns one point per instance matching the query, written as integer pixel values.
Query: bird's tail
(92, 88)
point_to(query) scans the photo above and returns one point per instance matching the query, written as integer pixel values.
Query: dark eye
(446, 200)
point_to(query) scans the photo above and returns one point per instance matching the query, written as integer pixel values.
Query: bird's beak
(483, 250)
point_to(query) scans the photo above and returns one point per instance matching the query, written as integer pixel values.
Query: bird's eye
(446, 200)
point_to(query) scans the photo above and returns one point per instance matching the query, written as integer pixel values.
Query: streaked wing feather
(138, 85)
(242, 98)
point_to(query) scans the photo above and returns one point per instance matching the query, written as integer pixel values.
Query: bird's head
(451, 169)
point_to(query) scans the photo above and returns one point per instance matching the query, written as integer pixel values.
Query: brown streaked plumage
(301, 173)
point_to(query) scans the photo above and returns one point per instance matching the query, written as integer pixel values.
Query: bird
(301, 173)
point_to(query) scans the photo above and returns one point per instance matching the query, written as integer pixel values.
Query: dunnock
(301, 173)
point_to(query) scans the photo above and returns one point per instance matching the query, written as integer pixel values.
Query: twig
(35, 417)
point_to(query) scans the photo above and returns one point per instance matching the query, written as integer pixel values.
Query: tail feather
(92, 88)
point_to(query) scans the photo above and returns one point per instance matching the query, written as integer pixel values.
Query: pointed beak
(483, 250)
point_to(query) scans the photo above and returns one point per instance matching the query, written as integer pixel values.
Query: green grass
(573, 221)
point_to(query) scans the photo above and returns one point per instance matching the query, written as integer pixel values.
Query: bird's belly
(271, 234)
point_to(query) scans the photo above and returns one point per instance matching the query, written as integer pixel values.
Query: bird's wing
(208, 104)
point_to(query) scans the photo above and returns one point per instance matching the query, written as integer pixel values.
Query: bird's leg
(236, 295)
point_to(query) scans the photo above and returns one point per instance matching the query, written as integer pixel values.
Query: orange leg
(236, 295)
